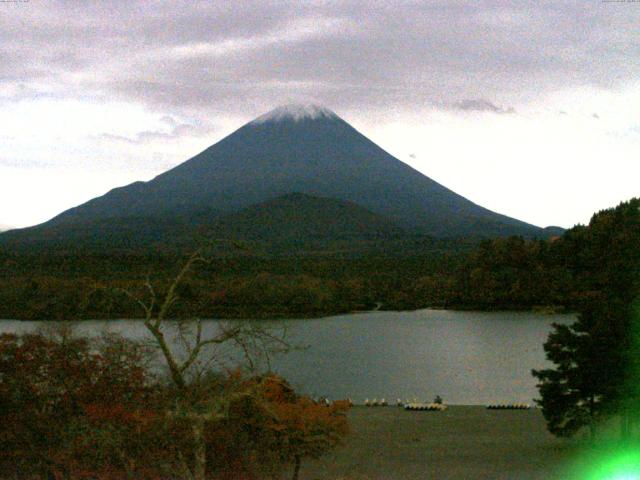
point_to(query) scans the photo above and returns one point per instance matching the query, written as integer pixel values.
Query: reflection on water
(465, 357)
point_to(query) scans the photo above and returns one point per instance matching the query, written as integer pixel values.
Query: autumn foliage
(70, 408)
(74, 408)
(272, 428)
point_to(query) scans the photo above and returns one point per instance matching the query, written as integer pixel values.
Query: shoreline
(267, 316)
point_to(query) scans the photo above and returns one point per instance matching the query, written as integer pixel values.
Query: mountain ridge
(304, 149)
(294, 218)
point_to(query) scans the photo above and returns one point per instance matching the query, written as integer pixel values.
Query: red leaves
(70, 408)
(218, 296)
(74, 404)
(119, 414)
(305, 427)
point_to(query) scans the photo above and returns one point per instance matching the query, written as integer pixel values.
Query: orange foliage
(70, 408)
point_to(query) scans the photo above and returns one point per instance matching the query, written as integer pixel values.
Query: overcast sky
(531, 109)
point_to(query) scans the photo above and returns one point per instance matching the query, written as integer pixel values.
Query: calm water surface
(465, 357)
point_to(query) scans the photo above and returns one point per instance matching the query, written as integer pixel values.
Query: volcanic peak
(295, 112)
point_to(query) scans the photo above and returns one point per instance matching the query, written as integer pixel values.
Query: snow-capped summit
(296, 112)
(304, 149)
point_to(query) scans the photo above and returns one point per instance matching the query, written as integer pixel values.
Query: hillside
(291, 221)
(298, 217)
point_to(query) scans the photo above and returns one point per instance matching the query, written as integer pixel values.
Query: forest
(245, 282)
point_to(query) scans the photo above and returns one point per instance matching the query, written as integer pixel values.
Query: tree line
(494, 274)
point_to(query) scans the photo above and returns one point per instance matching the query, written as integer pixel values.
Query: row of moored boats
(509, 406)
(436, 405)
(407, 405)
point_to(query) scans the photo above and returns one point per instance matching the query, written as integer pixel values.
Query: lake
(469, 358)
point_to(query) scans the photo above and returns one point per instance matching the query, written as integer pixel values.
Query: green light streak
(623, 464)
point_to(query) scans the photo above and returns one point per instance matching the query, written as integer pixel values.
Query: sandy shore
(464, 442)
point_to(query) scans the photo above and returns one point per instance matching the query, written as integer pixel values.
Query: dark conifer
(597, 358)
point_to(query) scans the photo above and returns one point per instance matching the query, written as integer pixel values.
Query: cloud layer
(213, 58)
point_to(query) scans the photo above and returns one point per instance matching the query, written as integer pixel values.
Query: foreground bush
(74, 408)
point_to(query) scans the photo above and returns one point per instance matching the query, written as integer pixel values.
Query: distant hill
(292, 219)
(304, 149)
(112, 233)
(554, 231)
(298, 216)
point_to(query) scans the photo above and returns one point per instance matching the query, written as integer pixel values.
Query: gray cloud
(481, 105)
(216, 58)
(176, 130)
(12, 162)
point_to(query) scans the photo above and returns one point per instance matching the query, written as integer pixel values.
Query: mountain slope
(295, 149)
(292, 219)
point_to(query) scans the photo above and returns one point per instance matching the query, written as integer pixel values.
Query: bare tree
(195, 353)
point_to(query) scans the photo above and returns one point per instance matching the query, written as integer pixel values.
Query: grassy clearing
(464, 442)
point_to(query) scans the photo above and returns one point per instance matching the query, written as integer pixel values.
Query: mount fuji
(305, 150)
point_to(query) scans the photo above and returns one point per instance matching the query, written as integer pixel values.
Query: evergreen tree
(596, 358)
